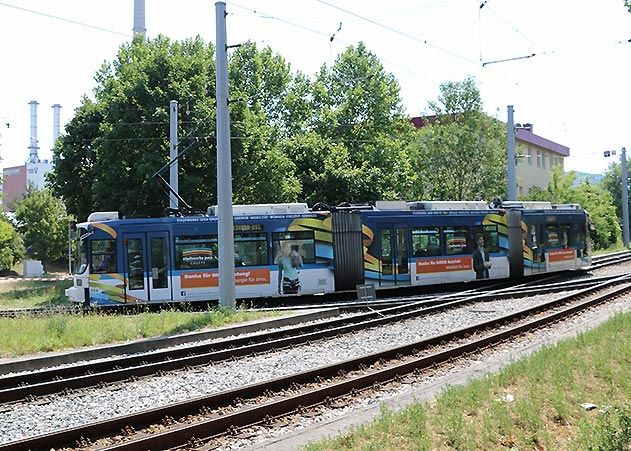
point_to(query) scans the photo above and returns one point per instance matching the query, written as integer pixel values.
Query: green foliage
(28, 334)
(605, 230)
(43, 223)
(75, 156)
(612, 182)
(460, 153)
(349, 145)
(11, 244)
(611, 431)
(116, 142)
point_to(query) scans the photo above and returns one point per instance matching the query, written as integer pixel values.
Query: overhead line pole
(625, 198)
(227, 297)
(173, 171)
(512, 182)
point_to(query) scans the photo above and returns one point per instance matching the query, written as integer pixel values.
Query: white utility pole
(512, 182)
(625, 198)
(227, 297)
(173, 176)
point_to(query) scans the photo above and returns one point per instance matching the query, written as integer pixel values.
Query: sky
(564, 65)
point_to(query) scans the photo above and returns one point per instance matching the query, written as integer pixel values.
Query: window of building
(543, 161)
(530, 156)
(103, 256)
(426, 241)
(196, 252)
(539, 156)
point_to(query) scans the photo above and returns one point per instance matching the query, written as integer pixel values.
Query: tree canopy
(460, 152)
(11, 245)
(350, 146)
(612, 182)
(43, 222)
(332, 139)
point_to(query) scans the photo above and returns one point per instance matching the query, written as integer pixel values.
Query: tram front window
(82, 250)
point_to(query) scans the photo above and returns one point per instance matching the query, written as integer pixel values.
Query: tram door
(147, 266)
(393, 262)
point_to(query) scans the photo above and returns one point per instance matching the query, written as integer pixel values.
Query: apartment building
(536, 157)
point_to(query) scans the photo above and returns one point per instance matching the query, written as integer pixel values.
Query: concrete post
(625, 198)
(173, 171)
(227, 297)
(512, 179)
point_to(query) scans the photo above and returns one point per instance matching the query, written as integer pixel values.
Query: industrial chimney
(33, 148)
(56, 121)
(139, 17)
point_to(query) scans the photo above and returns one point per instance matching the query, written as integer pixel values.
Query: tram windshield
(82, 250)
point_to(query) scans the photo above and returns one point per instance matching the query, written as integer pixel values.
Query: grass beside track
(547, 390)
(32, 334)
(28, 334)
(30, 294)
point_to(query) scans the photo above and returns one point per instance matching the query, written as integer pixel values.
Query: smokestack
(33, 148)
(139, 17)
(56, 116)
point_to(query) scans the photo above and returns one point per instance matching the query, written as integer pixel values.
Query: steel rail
(253, 415)
(50, 381)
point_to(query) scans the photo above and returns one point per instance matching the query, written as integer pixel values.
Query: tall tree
(460, 153)
(351, 148)
(75, 157)
(612, 182)
(43, 222)
(117, 141)
(11, 245)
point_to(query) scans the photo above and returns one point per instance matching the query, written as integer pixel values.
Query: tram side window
(300, 241)
(250, 249)
(457, 240)
(103, 256)
(426, 241)
(491, 237)
(196, 252)
(135, 264)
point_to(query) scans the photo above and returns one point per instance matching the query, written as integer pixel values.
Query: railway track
(198, 420)
(88, 374)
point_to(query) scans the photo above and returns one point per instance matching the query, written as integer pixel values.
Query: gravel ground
(21, 420)
(331, 422)
(33, 418)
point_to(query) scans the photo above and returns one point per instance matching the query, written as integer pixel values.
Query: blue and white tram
(174, 259)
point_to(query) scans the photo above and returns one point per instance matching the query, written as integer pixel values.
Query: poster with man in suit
(481, 262)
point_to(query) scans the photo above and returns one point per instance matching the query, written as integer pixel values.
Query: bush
(11, 245)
